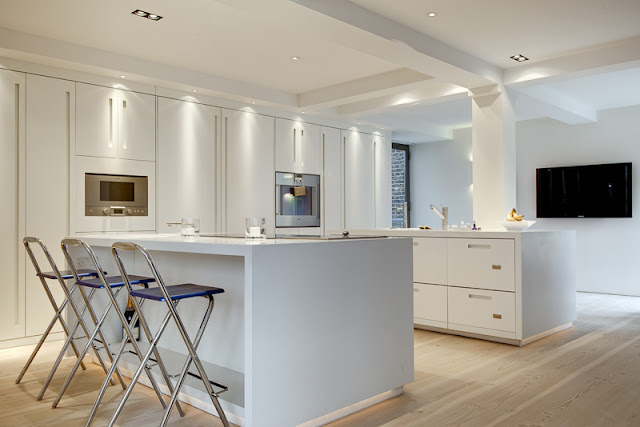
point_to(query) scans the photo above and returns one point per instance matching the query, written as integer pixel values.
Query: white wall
(441, 174)
(607, 254)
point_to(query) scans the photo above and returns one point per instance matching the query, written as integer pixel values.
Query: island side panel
(548, 281)
(332, 325)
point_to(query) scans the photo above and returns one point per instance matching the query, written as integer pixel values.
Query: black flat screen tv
(593, 191)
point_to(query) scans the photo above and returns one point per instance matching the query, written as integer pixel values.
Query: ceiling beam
(58, 53)
(361, 89)
(363, 30)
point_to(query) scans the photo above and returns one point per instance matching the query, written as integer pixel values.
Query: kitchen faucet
(444, 215)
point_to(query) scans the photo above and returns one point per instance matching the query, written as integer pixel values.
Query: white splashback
(119, 167)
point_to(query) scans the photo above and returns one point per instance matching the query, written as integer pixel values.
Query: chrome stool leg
(171, 295)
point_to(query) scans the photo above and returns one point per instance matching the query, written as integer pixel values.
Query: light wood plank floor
(588, 375)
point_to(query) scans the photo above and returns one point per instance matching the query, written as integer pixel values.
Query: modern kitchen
(399, 216)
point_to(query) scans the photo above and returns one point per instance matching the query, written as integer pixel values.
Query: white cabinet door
(12, 145)
(430, 260)
(136, 126)
(331, 188)
(309, 149)
(50, 132)
(430, 305)
(482, 309)
(187, 145)
(383, 181)
(287, 140)
(96, 116)
(482, 263)
(249, 188)
(359, 199)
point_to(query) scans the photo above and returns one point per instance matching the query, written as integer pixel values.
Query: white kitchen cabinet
(114, 123)
(430, 261)
(482, 309)
(136, 126)
(12, 172)
(331, 187)
(382, 169)
(188, 138)
(298, 147)
(430, 305)
(50, 121)
(482, 263)
(359, 189)
(248, 187)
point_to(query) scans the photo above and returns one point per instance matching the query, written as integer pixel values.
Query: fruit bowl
(517, 225)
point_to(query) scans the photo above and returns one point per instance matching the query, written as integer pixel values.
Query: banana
(513, 216)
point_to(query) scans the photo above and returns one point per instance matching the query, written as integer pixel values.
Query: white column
(494, 156)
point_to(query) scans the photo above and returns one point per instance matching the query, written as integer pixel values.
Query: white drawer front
(482, 309)
(482, 263)
(430, 260)
(430, 302)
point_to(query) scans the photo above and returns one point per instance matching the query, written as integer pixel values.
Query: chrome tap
(444, 215)
(404, 208)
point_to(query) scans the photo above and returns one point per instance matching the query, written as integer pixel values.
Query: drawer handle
(416, 290)
(496, 267)
(497, 316)
(475, 296)
(472, 246)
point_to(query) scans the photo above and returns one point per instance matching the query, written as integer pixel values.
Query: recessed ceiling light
(143, 14)
(295, 58)
(123, 76)
(253, 102)
(519, 58)
(194, 90)
(303, 112)
(431, 14)
(359, 123)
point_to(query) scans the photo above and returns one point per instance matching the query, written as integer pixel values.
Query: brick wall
(398, 193)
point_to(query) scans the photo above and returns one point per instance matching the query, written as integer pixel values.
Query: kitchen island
(307, 331)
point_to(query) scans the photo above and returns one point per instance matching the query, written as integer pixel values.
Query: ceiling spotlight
(123, 76)
(295, 58)
(431, 14)
(519, 58)
(143, 14)
(194, 90)
(253, 102)
(303, 112)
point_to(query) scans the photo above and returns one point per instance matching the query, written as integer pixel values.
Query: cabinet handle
(110, 122)
(496, 267)
(476, 296)
(301, 148)
(472, 246)
(497, 316)
(124, 140)
(416, 290)
(416, 244)
(294, 145)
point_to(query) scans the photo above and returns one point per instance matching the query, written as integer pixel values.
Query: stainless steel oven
(297, 200)
(116, 195)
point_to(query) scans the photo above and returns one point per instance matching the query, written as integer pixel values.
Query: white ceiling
(379, 62)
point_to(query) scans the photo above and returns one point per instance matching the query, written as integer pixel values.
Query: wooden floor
(588, 375)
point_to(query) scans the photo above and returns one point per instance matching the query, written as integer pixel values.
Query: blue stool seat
(115, 281)
(67, 274)
(177, 292)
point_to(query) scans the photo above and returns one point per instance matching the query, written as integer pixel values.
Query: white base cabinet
(512, 287)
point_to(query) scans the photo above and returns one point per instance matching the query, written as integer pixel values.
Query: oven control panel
(115, 211)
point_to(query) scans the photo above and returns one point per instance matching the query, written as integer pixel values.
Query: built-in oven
(297, 200)
(116, 195)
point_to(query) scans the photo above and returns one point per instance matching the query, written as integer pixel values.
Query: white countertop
(466, 234)
(198, 244)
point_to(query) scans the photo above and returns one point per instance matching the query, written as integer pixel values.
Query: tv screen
(594, 191)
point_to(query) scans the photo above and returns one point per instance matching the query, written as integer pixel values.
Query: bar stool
(94, 284)
(58, 317)
(171, 295)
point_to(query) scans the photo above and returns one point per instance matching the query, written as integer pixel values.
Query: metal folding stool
(171, 295)
(100, 282)
(58, 317)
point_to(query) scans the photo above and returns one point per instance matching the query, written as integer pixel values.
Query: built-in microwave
(116, 195)
(297, 200)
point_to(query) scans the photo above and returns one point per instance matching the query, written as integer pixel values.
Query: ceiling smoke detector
(143, 14)
(519, 58)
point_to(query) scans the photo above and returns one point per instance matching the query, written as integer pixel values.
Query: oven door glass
(296, 205)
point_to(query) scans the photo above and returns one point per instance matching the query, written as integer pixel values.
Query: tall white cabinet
(12, 172)
(248, 187)
(331, 185)
(359, 187)
(188, 139)
(50, 124)
(298, 147)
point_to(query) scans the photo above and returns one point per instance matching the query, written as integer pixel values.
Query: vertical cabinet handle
(123, 136)
(301, 148)
(294, 145)
(110, 122)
